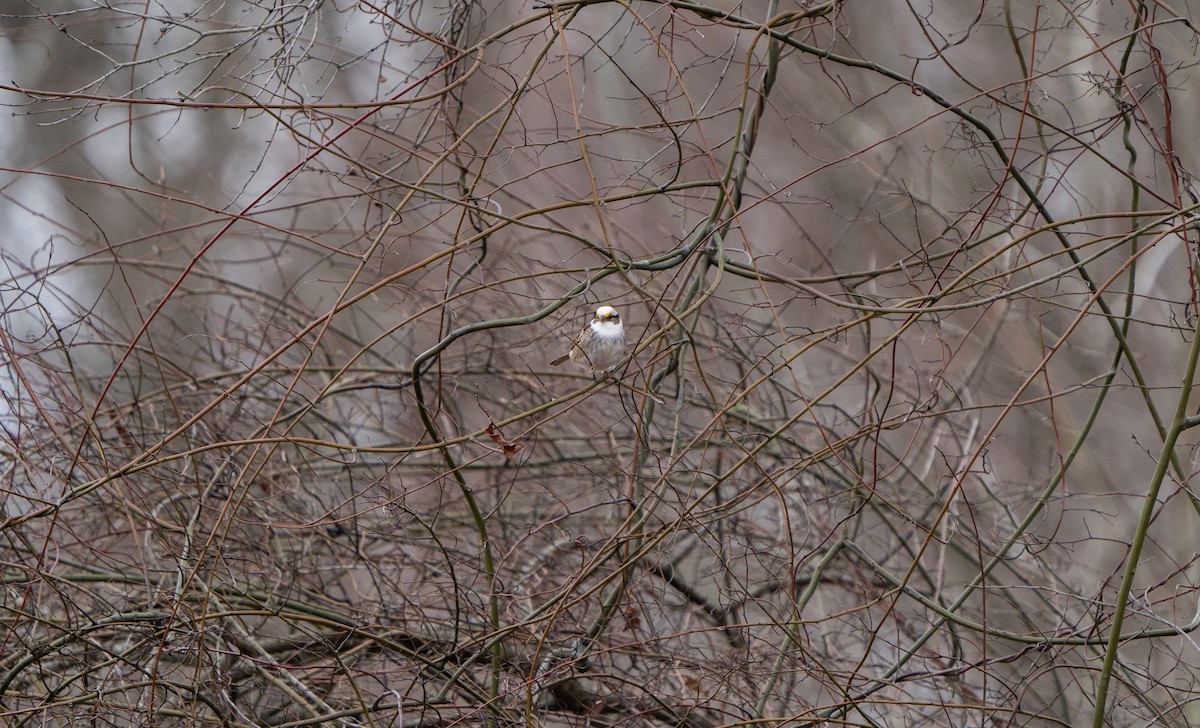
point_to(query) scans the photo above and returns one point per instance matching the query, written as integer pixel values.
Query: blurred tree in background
(903, 437)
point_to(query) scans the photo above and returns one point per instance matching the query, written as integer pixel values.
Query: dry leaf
(508, 447)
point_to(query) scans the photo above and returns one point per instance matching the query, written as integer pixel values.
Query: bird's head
(607, 323)
(608, 314)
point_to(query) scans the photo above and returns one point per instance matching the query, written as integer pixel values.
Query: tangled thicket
(903, 436)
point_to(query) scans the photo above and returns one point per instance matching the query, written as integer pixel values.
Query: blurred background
(903, 436)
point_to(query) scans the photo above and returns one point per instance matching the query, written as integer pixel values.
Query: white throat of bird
(607, 329)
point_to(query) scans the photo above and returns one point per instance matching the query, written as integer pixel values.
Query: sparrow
(600, 345)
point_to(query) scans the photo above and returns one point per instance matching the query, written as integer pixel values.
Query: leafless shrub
(903, 435)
